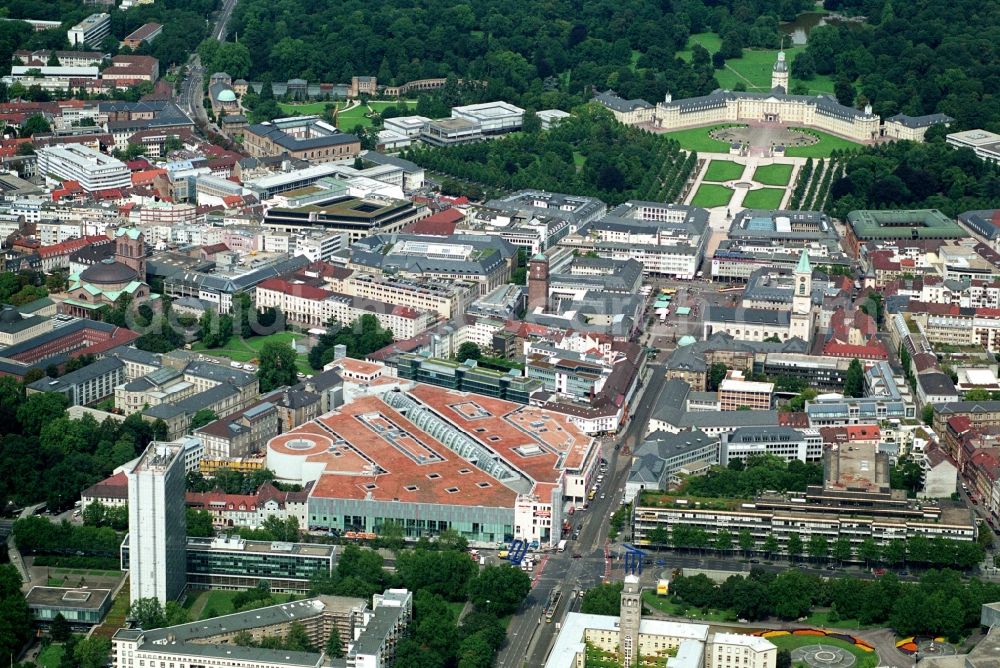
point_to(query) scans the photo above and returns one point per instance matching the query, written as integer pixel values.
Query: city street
(529, 637)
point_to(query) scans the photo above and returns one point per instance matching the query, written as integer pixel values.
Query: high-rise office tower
(157, 523)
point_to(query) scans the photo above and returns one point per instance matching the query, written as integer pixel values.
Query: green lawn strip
(636, 55)
(754, 68)
(221, 603)
(456, 608)
(697, 139)
(667, 606)
(51, 656)
(773, 175)
(347, 120)
(790, 642)
(247, 350)
(710, 40)
(822, 619)
(304, 109)
(710, 195)
(827, 144)
(723, 170)
(765, 198)
(115, 619)
(55, 582)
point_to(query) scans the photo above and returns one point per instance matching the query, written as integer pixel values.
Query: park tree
(334, 647)
(819, 546)
(854, 383)
(841, 550)
(792, 594)
(770, 545)
(868, 551)
(746, 541)
(928, 414)
(59, 628)
(604, 599)
(93, 652)
(446, 573)
(723, 540)
(35, 124)
(37, 410)
(794, 546)
(843, 90)
(215, 330)
(199, 523)
(716, 373)
(467, 351)
(203, 417)
(499, 589)
(244, 311)
(148, 613)
(276, 366)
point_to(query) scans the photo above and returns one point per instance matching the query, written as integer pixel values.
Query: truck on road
(561, 547)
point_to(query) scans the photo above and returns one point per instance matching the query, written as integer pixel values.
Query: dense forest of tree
(541, 55)
(916, 59)
(47, 457)
(908, 175)
(941, 603)
(184, 26)
(618, 162)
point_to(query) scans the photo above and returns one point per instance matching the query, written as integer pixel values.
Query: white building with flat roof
(985, 144)
(157, 523)
(493, 117)
(626, 637)
(552, 117)
(91, 31)
(408, 126)
(94, 170)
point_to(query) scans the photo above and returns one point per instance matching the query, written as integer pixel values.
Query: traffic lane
(583, 575)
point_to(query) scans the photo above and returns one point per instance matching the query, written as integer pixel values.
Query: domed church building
(101, 284)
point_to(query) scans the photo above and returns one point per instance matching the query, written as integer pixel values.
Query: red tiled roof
(212, 249)
(146, 176)
(438, 228)
(873, 351)
(107, 194)
(847, 433)
(797, 420)
(295, 289)
(114, 487)
(67, 247)
(959, 424)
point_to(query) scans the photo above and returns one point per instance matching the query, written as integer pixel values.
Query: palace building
(777, 106)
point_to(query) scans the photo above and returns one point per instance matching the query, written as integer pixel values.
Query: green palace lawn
(723, 170)
(710, 195)
(348, 120)
(827, 144)
(697, 139)
(303, 109)
(765, 198)
(773, 175)
(753, 69)
(247, 350)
